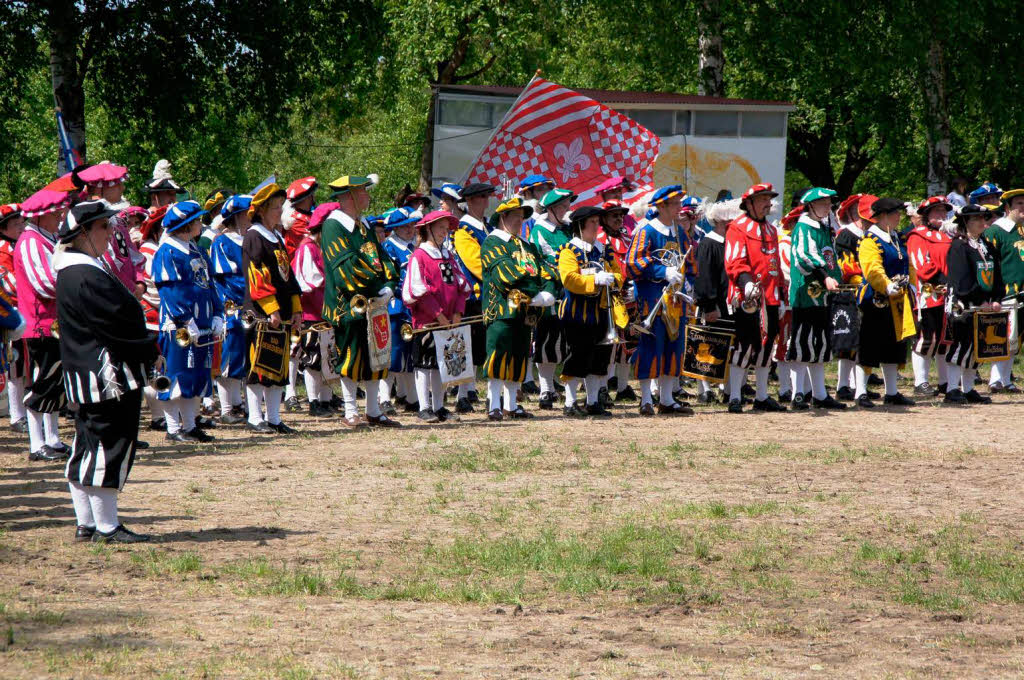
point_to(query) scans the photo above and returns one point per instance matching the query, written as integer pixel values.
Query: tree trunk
(427, 154)
(937, 121)
(711, 63)
(66, 74)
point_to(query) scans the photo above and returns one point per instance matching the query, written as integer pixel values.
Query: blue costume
(401, 358)
(230, 283)
(10, 320)
(181, 272)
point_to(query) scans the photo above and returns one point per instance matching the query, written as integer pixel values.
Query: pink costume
(37, 283)
(434, 284)
(123, 258)
(308, 265)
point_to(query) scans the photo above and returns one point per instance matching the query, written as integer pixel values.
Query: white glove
(542, 299)
(386, 293)
(604, 279)
(193, 329)
(217, 326)
(17, 332)
(672, 275)
(893, 289)
(748, 290)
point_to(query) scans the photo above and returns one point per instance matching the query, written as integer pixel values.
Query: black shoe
(200, 435)
(495, 415)
(320, 409)
(941, 389)
(925, 389)
(873, 379)
(646, 410)
(828, 403)
(748, 391)
(262, 428)
(62, 449)
(281, 428)
(845, 394)
(613, 382)
(626, 394)
(444, 415)
(473, 397)
(231, 419)
(84, 534)
(974, 398)
(1011, 389)
(955, 398)
(292, 404)
(20, 426)
(337, 403)
(205, 423)
(873, 395)
(519, 414)
(46, 454)
(462, 406)
(897, 400)
(675, 409)
(182, 437)
(428, 417)
(707, 398)
(681, 395)
(547, 401)
(530, 387)
(573, 411)
(387, 408)
(412, 407)
(381, 421)
(799, 403)
(119, 535)
(603, 398)
(864, 401)
(158, 424)
(784, 396)
(768, 405)
(735, 406)
(141, 445)
(598, 410)
(400, 402)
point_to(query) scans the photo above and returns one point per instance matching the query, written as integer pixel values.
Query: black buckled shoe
(158, 425)
(675, 409)
(20, 426)
(864, 401)
(119, 535)
(412, 407)
(547, 401)
(604, 398)
(45, 454)
(530, 387)
(62, 449)
(231, 419)
(292, 404)
(263, 427)
(973, 397)
(941, 389)
(387, 408)
(874, 379)
(598, 410)
(428, 417)
(281, 428)
(200, 435)
(380, 421)
(828, 403)
(647, 410)
(205, 423)
(955, 398)
(573, 411)
(444, 415)
(897, 400)
(626, 393)
(735, 406)
(768, 405)
(845, 394)
(519, 413)
(495, 415)
(182, 437)
(83, 534)
(925, 389)
(784, 396)
(320, 409)
(463, 406)
(874, 396)
(799, 403)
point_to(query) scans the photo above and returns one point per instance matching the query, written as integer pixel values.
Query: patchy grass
(486, 456)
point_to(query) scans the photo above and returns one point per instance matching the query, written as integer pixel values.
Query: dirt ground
(859, 544)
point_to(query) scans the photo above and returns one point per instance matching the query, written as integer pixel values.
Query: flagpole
(465, 175)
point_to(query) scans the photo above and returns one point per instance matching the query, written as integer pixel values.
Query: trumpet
(815, 290)
(751, 303)
(517, 298)
(318, 327)
(158, 381)
(231, 308)
(936, 290)
(184, 338)
(408, 332)
(359, 304)
(55, 330)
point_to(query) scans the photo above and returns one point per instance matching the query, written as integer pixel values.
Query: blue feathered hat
(180, 214)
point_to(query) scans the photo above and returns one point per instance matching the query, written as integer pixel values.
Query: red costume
(752, 254)
(928, 248)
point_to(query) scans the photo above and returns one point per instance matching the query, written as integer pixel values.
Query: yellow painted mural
(703, 172)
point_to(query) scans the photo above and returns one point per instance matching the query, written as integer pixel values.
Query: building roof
(621, 97)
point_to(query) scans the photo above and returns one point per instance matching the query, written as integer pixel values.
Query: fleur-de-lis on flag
(571, 157)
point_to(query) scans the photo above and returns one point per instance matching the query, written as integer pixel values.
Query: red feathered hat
(301, 188)
(153, 220)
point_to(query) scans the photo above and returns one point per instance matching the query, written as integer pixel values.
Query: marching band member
(355, 264)
(106, 352)
(150, 233)
(316, 346)
(400, 223)
(755, 277)
(988, 193)
(434, 291)
(450, 197)
(887, 271)
(532, 190)
(789, 381)
(106, 181)
(689, 237)
(212, 220)
(587, 272)
(12, 223)
(853, 214)
(181, 272)
(273, 297)
(813, 261)
(230, 282)
(927, 246)
(162, 189)
(711, 287)
(615, 241)
(298, 208)
(659, 353)
(613, 189)
(511, 264)
(468, 240)
(1002, 239)
(37, 304)
(973, 282)
(548, 235)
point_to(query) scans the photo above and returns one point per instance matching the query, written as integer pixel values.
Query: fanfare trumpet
(55, 330)
(936, 290)
(158, 381)
(359, 304)
(318, 327)
(668, 258)
(231, 308)
(249, 319)
(815, 289)
(882, 300)
(184, 338)
(408, 332)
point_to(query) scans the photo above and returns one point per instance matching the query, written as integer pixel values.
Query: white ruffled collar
(880, 233)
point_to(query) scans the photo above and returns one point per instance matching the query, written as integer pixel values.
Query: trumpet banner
(707, 353)
(454, 347)
(991, 336)
(903, 317)
(378, 330)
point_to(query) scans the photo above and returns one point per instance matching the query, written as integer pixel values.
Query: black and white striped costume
(973, 280)
(105, 349)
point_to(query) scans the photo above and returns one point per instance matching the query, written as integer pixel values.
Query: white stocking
(968, 379)
(36, 440)
(83, 509)
(593, 385)
(955, 375)
(761, 382)
(16, 398)
(645, 392)
(254, 398)
(570, 391)
(493, 394)
(272, 397)
(188, 413)
(785, 377)
(921, 364)
(941, 370)
(799, 369)
(890, 374)
(104, 508)
(546, 375)
(348, 396)
(50, 424)
(372, 400)
(860, 382)
(666, 383)
(817, 372)
(736, 380)
(423, 387)
(436, 390)
(511, 394)
(846, 369)
(293, 378)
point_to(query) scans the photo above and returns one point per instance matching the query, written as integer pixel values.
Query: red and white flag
(576, 141)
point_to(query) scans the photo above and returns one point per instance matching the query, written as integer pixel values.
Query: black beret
(887, 205)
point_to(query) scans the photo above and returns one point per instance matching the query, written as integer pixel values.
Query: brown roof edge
(619, 96)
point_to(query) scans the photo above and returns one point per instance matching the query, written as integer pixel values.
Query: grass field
(869, 545)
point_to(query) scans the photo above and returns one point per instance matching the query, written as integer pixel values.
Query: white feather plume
(287, 215)
(724, 211)
(162, 169)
